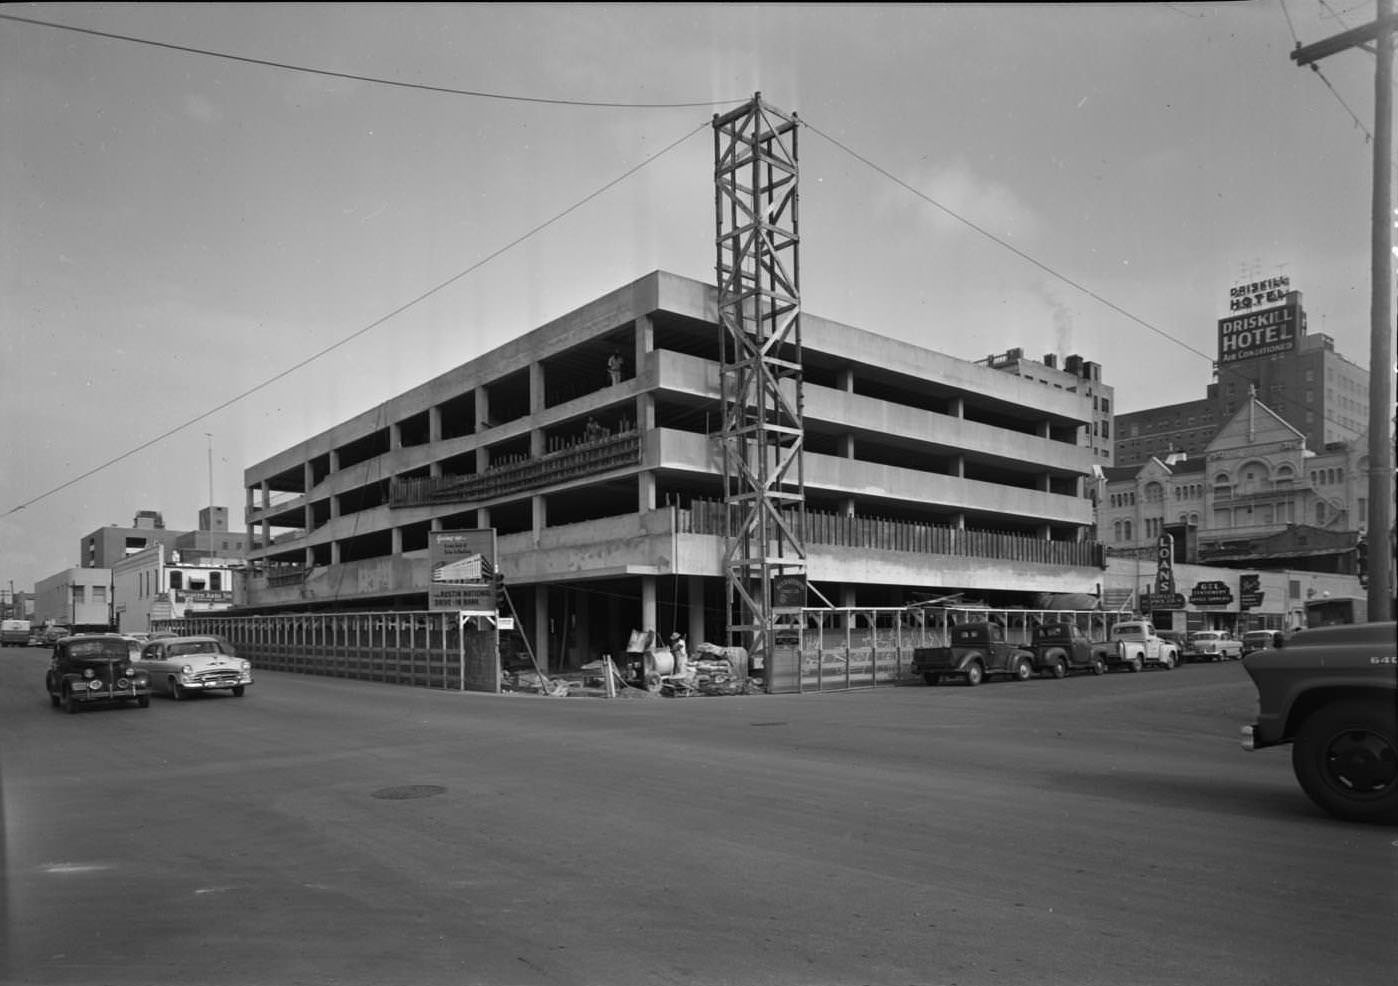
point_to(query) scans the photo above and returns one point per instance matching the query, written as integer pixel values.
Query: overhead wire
(436, 289)
(1217, 367)
(354, 77)
(1368, 137)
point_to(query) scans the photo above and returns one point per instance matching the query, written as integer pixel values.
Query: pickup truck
(1135, 645)
(1062, 647)
(1214, 645)
(977, 650)
(1332, 693)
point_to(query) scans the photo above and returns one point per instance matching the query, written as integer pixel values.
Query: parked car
(1180, 641)
(14, 633)
(1062, 647)
(95, 668)
(977, 650)
(1261, 640)
(1135, 645)
(180, 666)
(1214, 645)
(1332, 693)
(53, 634)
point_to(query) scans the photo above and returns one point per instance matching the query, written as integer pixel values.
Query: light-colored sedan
(180, 666)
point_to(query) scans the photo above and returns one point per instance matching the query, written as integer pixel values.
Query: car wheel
(70, 704)
(238, 690)
(1060, 670)
(1169, 662)
(1099, 666)
(1136, 665)
(176, 690)
(1024, 670)
(1345, 757)
(975, 674)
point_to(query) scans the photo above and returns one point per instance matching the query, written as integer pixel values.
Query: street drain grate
(409, 791)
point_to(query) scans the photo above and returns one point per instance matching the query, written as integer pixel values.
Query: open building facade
(590, 446)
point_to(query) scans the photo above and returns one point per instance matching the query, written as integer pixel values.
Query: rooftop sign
(1259, 333)
(1258, 294)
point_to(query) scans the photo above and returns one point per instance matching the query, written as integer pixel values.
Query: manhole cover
(409, 791)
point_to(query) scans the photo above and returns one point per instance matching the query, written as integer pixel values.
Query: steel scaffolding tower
(759, 309)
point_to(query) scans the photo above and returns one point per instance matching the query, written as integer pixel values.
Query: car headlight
(186, 670)
(130, 672)
(247, 665)
(94, 685)
(87, 672)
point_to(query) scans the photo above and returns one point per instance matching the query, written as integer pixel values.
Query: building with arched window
(1249, 499)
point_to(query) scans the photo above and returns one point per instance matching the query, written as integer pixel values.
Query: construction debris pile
(652, 669)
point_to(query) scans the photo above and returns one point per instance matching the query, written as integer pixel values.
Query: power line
(359, 332)
(1368, 137)
(1217, 367)
(289, 67)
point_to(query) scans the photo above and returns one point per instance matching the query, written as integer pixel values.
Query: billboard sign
(1259, 293)
(462, 566)
(1165, 565)
(1211, 593)
(1258, 333)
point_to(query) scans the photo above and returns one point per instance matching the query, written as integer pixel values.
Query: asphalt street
(325, 831)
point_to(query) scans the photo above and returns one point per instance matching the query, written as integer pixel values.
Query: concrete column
(541, 515)
(308, 558)
(649, 608)
(334, 505)
(957, 408)
(1042, 429)
(396, 541)
(334, 462)
(846, 446)
(395, 435)
(959, 522)
(434, 425)
(847, 506)
(645, 342)
(334, 552)
(645, 490)
(1045, 532)
(266, 534)
(695, 636)
(266, 495)
(541, 625)
(582, 637)
(482, 409)
(645, 413)
(536, 388)
(308, 519)
(844, 380)
(308, 476)
(958, 466)
(482, 517)
(847, 599)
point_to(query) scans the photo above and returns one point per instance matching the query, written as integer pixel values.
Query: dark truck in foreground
(1332, 693)
(1062, 647)
(977, 650)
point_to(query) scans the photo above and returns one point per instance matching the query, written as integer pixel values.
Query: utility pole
(1376, 37)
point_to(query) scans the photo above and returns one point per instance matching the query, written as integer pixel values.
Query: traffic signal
(1361, 560)
(502, 601)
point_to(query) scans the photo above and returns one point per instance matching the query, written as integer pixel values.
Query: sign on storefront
(1211, 593)
(1250, 591)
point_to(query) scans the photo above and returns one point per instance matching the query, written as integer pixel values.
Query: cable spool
(659, 662)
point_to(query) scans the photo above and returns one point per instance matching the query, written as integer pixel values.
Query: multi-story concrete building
(1257, 497)
(1264, 353)
(1077, 375)
(75, 597)
(107, 545)
(924, 475)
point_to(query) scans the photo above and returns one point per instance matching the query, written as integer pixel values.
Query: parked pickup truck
(977, 650)
(1214, 645)
(1332, 693)
(1135, 645)
(1062, 647)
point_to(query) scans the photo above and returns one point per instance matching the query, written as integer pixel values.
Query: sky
(185, 235)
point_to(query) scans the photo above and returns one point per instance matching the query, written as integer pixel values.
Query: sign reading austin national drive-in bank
(1261, 333)
(462, 564)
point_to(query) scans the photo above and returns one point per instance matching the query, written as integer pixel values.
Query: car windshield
(1053, 633)
(193, 647)
(1128, 631)
(99, 650)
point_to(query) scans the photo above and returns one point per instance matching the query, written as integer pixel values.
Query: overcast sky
(180, 228)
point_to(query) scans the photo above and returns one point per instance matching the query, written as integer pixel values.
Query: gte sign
(1255, 334)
